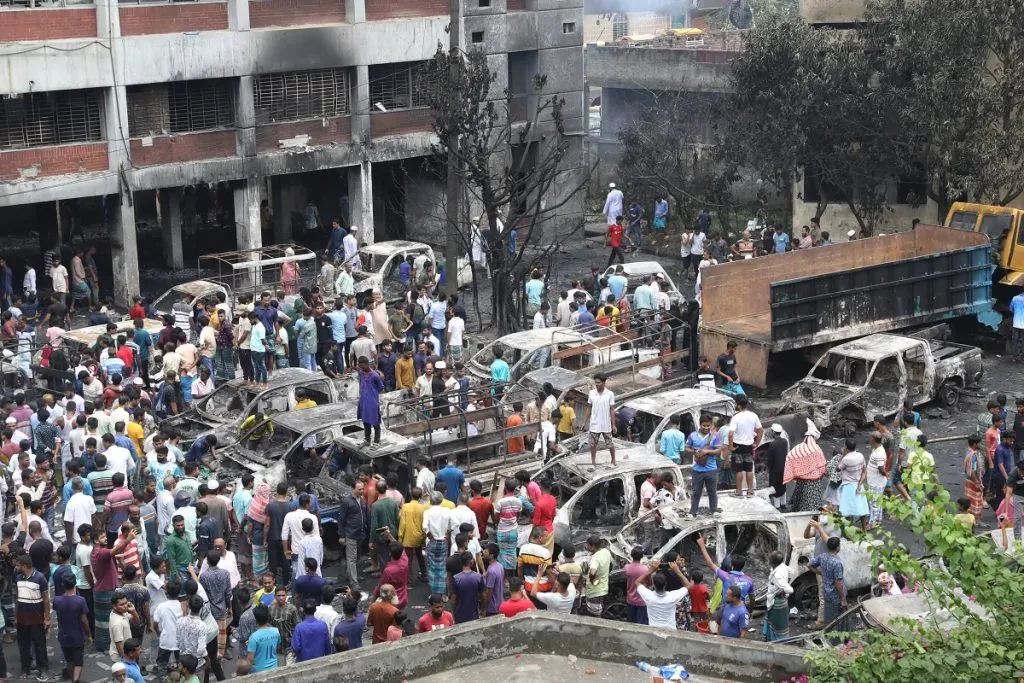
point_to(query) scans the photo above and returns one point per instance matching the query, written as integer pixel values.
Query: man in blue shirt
(266, 313)
(781, 239)
(499, 375)
(201, 447)
(262, 646)
(453, 477)
(132, 649)
(311, 638)
(617, 283)
(350, 628)
(704, 447)
(672, 441)
(1017, 337)
(534, 294)
(643, 296)
(730, 573)
(734, 618)
(586, 319)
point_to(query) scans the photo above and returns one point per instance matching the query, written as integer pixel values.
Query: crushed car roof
(308, 419)
(629, 457)
(87, 335)
(918, 606)
(534, 339)
(196, 287)
(560, 378)
(390, 247)
(282, 377)
(664, 402)
(877, 346)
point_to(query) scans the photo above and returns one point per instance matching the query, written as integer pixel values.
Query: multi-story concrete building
(183, 110)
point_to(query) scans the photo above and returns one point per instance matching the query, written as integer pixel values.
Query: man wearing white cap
(778, 449)
(351, 247)
(613, 204)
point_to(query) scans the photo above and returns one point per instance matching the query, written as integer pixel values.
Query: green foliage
(979, 648)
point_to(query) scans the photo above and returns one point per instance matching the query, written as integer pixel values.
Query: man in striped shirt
(32, 617)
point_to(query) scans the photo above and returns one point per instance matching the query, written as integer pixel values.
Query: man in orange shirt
(515, 443)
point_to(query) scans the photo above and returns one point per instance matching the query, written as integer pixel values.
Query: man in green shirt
(383, 523)
(178, 549)
(597, 584)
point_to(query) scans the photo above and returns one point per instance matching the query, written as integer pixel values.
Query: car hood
(823, 395)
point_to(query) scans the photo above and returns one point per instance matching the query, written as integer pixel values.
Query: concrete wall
(424, 207)
(832, 11)
(746, 661)
(598, 27)
(838, 220)
(658, 69)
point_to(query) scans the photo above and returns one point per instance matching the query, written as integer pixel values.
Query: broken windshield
(226, 402)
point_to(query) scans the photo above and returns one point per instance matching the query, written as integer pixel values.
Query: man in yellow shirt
(135, 431)
(405, 371)
(265, 428)
(566, 425)
(410, 530)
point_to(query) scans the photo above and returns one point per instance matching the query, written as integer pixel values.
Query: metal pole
(451, 247)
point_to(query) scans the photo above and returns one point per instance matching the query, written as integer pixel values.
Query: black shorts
(742, 459)
(74, 654)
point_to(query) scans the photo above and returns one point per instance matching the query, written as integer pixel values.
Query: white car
(380, 263)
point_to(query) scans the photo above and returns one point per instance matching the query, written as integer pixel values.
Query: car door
(391, 286)
(600, 507)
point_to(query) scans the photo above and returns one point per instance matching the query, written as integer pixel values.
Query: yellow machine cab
(1003, 226)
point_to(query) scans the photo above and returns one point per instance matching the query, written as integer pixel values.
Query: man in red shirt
(614, 240)
(517, 601)
(544, 513)
(481, 506)
(137, 312)
(125, 353)
(437, 617)
(396, 573)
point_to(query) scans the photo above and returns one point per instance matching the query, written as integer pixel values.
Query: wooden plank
(600, 343)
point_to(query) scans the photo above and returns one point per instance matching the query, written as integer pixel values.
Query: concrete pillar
(282, 215)
(171, 229)
(355, 11)
(238, 15)
(361, 106)
(360, 195)
(123, 250)
(108, 21)
(245, 118)
(248, 232)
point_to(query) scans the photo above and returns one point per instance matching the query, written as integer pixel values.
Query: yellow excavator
(1004, 226)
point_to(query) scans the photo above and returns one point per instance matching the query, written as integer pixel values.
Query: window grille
(201, 105)
(50, 118)
(400, 86)
(298, 95)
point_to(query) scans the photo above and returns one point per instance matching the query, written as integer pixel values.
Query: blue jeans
(439, 333)
(709, 481)
(207, 363)
(307, 361)
(259, 367)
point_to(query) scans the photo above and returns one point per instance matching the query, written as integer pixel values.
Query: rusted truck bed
(802, 299)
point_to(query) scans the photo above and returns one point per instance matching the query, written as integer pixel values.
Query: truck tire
(949, 394)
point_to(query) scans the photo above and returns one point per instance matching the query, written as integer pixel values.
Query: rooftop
(876, 346)
(390, 247)
(302, 421)
(531, 642)
(665, 402)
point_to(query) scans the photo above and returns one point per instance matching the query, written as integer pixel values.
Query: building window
(299, 95)
(485, 3)
(181, 107)
(568, 27)
(400, 86)
(201, 105)
(50, 118)
(477, 36)
(620, 26)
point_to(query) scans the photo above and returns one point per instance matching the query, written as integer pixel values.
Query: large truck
(799, 300)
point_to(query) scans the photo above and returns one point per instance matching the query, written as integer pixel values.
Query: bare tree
(510, 161)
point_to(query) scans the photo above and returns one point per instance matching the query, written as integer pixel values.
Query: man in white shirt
(661, 604)
(79, 510)
(602, 418)
(119, 459)
(291, 531)
(745, 432)
(351, 246)
(227, 562)
(325, 611)
(424, 477)
(164, 511)
(463, 514)
(561, 599)
(540, 318)
(456, 331)
(437, 520)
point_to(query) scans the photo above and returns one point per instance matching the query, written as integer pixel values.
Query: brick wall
(191, 16)
(60, 160)
(263, 13)
(515, 5)
(43, 24)
(269, 137)
(400, 122)
(171, 149)
(378, 10)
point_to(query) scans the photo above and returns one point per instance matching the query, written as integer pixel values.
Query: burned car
(874, 375)
(746, 526)
(231, 403)
(600, 500)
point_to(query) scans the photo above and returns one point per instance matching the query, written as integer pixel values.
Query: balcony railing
(44, 4)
